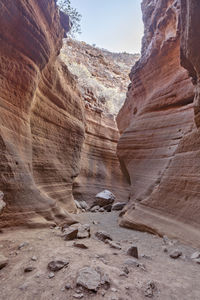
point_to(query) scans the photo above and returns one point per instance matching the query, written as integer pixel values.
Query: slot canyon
(99, 181)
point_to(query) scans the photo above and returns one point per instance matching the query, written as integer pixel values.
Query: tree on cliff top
(74, 15)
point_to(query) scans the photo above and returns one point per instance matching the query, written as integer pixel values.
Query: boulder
(89, 278)
(104, 198)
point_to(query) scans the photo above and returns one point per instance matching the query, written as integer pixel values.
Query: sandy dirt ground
(176, 279)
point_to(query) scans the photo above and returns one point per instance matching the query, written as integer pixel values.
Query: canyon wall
(41, 116)
(159, 145)
(102, 78)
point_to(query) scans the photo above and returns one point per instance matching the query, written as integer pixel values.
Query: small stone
(57, 265)
(89, 278)
(114, 297)
(95, 208)
(83, 231)
(51, 275)
(78, 296)
(118, 206)
(3, 261)
(146, 256)
(105, 281)
(103, 236)
(114, 245)
(34, 258)
(127, 287)
(101, 209)
(164, 249)
(103, 293)
(67, 286)
(114, 290)
(125, 270)
(197, 260)
(28, 269)
(70, 234)
(165, 240)
(175, 254)
(149, 289)
(123, 274)
(22, 245)
(195, 255)
(95, 223)
(23, 287)
(133, 251)
(131, 262)
(108, 207)
(77, 204)
(80, 245)
(84, 205)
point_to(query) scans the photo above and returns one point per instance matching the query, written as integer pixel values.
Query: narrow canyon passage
(99, 181)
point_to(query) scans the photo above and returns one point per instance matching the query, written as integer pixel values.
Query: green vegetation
(75, 16)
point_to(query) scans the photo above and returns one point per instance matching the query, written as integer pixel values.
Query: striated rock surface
(102, 80)
(41, 116)
(159, 145)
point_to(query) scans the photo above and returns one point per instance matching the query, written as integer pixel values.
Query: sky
(115, 25)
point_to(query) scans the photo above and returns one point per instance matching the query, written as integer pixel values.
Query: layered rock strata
(41, 116)
(102, 79)
(159, 146)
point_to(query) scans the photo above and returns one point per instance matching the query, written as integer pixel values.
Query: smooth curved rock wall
(159, 145)
(41, 116)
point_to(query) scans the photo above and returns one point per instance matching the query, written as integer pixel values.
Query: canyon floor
(157, 275)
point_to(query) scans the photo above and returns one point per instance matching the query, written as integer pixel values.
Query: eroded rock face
(102, 80)
(41, 116)
(159, 146)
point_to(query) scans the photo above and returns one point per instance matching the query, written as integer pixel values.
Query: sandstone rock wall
(102, 79)
(41, 116)
(159, 143)
(100, 168)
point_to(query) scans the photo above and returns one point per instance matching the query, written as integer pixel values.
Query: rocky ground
(112, 273)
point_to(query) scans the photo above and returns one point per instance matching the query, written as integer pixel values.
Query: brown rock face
(159, 146)
(41, 116)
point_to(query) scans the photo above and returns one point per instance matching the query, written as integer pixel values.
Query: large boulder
(104, 198)
(89, 278)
